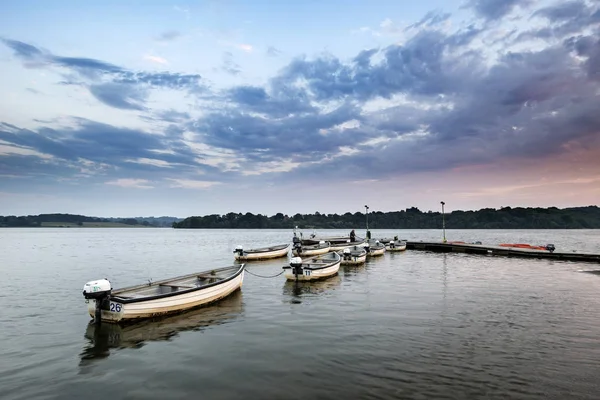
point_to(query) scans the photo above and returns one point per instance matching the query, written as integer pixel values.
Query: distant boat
(263, 253)
(374, 248)
(396, 245)
(548, 247)
(312, 268)
(354, 255)
(164, 297)
(310, 250)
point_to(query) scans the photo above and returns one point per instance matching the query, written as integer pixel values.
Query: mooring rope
(262, 276)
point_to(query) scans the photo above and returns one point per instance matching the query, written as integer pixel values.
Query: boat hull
(311, 252)
(354, 260)
(396, 248)
(312, 275)
(376, 252)
(264, 255)
(127, 312)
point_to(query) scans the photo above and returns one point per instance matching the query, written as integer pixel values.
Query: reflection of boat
(263, 253)
(310, 249)
(548, 247)
(396, 245)
(103, 337)
(354, 255)
(374, 248)
(162, 297)
(299, 288)
(312, 268)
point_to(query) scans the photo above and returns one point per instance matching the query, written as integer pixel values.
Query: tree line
(80, 220)
(410, 218)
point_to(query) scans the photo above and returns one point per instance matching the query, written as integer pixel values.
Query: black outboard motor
(392, 244)
(99, 291)
(367, 247)
(550, 248)
(296, 264)
(239, 249)
(347, 254)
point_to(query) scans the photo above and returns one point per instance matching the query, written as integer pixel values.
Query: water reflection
(102, 338)
(298, 289)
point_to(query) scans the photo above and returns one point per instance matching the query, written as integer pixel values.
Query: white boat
(396, 245)
(310, 250)
(164, 297)
(354, 255)
(374, 248)
(342, 245)
(312, 268)
(263, 253)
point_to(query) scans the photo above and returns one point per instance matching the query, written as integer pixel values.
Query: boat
(354, 255)
(163, 297)
(396, 245)
(310, 250)
(102, 337)
(263, 253)
(312, 268)
(374, 248)
(548, 247)
(344, 245)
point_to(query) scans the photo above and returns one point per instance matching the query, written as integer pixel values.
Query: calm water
(410, 325)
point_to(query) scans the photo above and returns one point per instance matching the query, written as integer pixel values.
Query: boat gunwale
(124, 300)
(328, 265)
(267, 249)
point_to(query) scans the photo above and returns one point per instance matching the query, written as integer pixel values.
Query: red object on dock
(523, 246)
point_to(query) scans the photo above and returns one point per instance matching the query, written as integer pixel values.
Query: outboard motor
(347, 254)
(392, 244)
(239, 249)
(296, 264)
(297, 244)
(550, 248)
(367, 247)
(99, 291)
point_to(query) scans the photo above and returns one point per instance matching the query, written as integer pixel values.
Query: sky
(150, 108)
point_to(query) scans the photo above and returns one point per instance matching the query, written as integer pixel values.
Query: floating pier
(449, 247)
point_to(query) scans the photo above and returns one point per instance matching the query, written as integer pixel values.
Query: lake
(414, 325)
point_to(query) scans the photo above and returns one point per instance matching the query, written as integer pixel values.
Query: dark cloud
(495, 9)
(125, 97)
(113, 85)
(286, 100)
(563, 11)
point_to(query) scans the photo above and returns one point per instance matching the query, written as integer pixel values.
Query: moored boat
(396, 245)
(374, 248)
(310, 250)
(354, 255)
(344, 245)
(263, 253)
(163, 297)
(312, 268)
(548, 247)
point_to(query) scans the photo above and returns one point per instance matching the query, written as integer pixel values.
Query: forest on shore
(411, 218)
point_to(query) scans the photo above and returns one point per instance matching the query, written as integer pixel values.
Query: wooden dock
(482, 249)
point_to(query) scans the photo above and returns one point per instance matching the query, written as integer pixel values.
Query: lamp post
(443, 221)
(367, 214)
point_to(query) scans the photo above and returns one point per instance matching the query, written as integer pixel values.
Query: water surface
(407, 325)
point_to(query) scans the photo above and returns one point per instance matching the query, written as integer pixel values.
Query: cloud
(229, 65)
(496, 9)
(191, 184)
(168, 36)
(273, 52)
(103, 79)
(131, 183)
(156, 59)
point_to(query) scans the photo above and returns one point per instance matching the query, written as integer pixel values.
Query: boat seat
(178, 286)
(208, 276)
